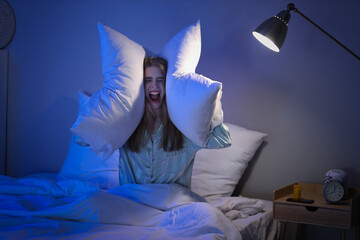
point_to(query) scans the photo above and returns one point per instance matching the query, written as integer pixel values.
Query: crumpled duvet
(238, 207)
(148, 211)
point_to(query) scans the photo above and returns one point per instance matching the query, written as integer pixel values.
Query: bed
(82, 218)
(38, 208)
(65, 206)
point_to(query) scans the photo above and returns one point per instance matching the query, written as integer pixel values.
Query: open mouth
(154, 96)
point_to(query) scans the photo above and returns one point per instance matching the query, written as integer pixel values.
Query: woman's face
(154, 84)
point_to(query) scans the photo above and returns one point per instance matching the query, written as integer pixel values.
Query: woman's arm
(219, 137)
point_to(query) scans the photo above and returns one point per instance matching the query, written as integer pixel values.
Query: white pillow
(216, 172)
(193, 100)
(114, 112)
(82, 163)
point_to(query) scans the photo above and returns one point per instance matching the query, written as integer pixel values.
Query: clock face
(333, 191)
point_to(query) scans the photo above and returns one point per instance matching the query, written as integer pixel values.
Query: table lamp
(272, 32)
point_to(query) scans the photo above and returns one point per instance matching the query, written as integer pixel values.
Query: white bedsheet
(252, 217)
(40, 207)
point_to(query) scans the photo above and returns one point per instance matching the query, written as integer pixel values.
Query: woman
(158, 152)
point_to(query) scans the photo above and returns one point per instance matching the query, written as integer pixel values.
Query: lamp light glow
(272, 32)
(266, 41)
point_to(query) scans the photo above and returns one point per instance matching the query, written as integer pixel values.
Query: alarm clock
(335, 186)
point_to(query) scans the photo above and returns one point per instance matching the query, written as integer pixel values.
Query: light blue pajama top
(154, 165)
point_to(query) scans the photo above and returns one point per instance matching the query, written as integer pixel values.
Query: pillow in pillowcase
(113, 113)
(216, 172)
(193, 100)
(82, 163)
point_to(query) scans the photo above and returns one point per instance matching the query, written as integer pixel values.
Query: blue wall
(306, 97)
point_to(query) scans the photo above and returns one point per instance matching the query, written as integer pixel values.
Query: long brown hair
(172, 138)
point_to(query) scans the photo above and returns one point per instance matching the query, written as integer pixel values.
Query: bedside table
(344, 215)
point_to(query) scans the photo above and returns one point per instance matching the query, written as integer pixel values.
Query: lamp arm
(291, 6)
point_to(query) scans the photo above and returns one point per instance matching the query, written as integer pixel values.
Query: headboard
(3, 108)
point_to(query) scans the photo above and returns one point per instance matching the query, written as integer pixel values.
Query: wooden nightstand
(344, 215)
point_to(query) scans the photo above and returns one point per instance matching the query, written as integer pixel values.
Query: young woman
(158, 152)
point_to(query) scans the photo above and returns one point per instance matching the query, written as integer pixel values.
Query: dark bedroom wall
(306, 97)
(3, 100)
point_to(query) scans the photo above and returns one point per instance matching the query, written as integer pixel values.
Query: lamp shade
(273, 31)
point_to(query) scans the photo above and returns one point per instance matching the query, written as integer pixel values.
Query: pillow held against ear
(82, 163)
(193, 100)
(113, 113)
(216, 172)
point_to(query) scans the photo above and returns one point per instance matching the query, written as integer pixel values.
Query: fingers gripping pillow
(113, 113)
(193, 100)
